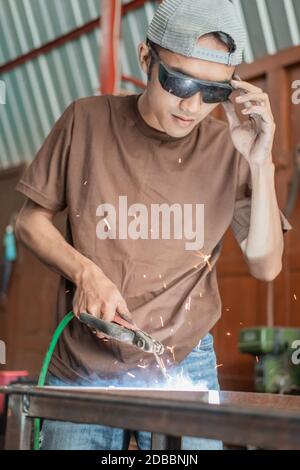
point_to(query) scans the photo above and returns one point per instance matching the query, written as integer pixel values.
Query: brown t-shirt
(101, 148)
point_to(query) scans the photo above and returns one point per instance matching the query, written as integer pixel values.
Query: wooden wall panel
(26, 317)
(240, 295)
(261, 303)
(10, 204)
(293, 248)
(30, 308)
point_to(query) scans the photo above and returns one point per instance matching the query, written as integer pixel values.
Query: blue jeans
(198, 367)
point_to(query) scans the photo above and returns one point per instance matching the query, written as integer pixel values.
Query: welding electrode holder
(131, 335)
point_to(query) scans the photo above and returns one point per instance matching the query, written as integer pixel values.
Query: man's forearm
(265, 238)
(95, 293)
(43, 239)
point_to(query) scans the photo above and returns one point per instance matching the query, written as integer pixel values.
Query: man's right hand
(97, 295)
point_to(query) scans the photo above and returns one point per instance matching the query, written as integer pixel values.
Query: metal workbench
(264, 420)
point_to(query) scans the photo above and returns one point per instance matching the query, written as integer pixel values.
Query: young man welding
(158, 148)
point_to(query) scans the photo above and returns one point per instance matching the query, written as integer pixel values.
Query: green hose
(44, 370)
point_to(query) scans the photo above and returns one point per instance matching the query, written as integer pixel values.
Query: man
(112, 155)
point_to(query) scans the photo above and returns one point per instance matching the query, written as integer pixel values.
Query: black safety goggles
(183, 86)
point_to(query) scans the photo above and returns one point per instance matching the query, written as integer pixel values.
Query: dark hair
(150, 43)
(225, 38)
(219, 35)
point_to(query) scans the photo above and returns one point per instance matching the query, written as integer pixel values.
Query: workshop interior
(55, 52)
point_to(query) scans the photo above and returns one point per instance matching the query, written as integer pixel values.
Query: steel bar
(109, 51)
(263, 420)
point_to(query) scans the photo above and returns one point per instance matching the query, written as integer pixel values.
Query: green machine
(277, 357)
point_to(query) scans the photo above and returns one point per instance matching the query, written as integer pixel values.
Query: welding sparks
(188, 304)
(205, 258)
(181, 381)
(142, 366)
(161, 366)
(219, 365)
(162, 322)
(171, 348)
(174, 379)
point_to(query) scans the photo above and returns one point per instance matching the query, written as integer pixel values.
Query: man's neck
(145, 111)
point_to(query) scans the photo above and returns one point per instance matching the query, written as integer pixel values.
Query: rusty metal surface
(265, 420)
(19, 426)
(266, 401)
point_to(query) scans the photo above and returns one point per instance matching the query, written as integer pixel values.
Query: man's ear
(144, 58)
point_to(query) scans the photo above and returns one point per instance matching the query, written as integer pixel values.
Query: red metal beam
(134, 81)
(45, 48)
(135, 4)
(109, 51)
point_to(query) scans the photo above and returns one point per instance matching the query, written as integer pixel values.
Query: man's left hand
(254, 137)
